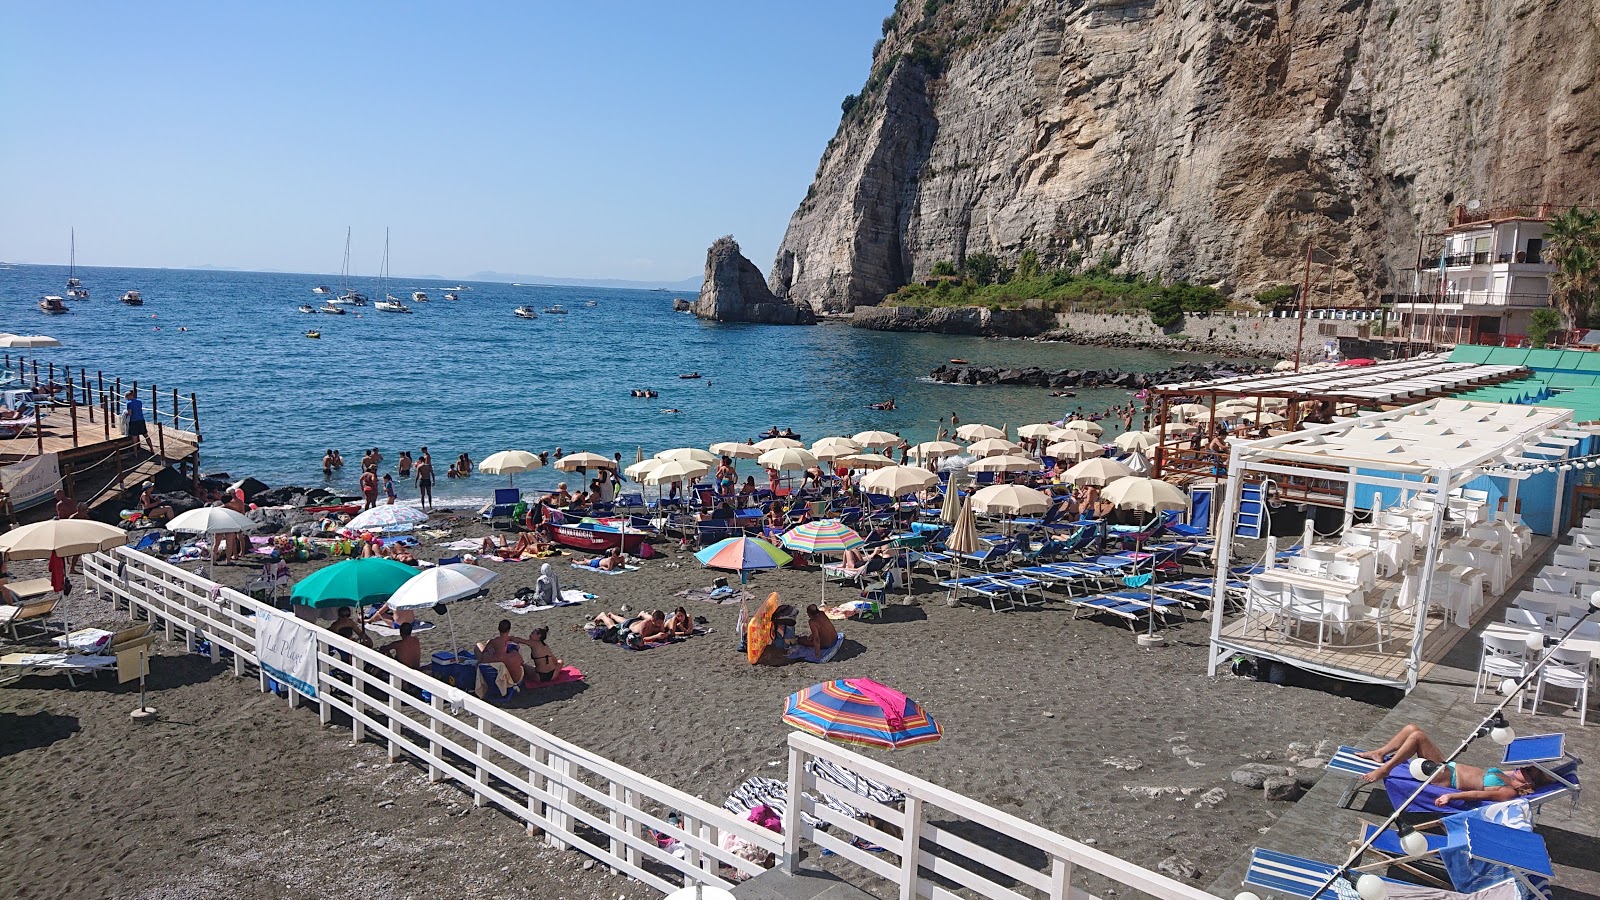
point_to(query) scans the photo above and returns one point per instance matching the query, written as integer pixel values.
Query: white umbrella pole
(455, 645)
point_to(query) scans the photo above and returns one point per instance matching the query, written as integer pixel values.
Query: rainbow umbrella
(742, 554)
(860, 711)
(822, 536)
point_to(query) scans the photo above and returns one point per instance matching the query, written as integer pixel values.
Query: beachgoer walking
(133, 412)
(388, 488)
(369, 486)
(425, 479)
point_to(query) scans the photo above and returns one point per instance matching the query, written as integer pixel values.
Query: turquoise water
(469, 377)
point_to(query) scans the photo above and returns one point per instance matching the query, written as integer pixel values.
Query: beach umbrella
(993, 447)
(689, 453)
(1093, 428)
(963, 539)
(867, 461)
(1181, 428)
(670, 470)
(1010, 500)
(510, 463)
(1075, 450)
(60, 537)
(211, 520)
(787, 459)
(831, 448)
(860, 711)
(979, 432)
(354, 582)
(1006, 463)
(757, 629)
(643, 467)
(950, 508)
(1264, 418)
(1145, 494)
(736, 450)
(879, 439)
(776, 443)
(1187, 410)
(386, 518)
(896, 481)
(1137, 463)
(819, 537)
(1096, 471)
(742, 554)
(1237, 404)
(27, 341)
(928, 449)
(1036, 431)
(1137, 440)
(441, 586)
(576, 461)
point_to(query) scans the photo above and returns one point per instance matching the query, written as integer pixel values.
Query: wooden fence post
(72, 408)
(155, 415)
(88, 398)
(194, 413)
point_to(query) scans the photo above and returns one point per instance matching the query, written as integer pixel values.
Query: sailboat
(75, 288)
(348, 295)
(389, 303)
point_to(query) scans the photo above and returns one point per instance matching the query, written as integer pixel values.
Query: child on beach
(388, 488)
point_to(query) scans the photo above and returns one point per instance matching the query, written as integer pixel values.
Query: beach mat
(599, 571)
(564, 675)
(712, 595)
(463, 544)
(417, 627)
(596, 634)
(569, 597)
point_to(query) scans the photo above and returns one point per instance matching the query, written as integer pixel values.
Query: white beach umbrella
(979, 432)
(671, 470)
(1180, 428)
(895, 481)
(63, 537)
(788, 459)
(27, 341)
(1137, 440)
(1145, 494)
(1036, 431)
(879, 439)
(1075, 450)
(1236, 404)
(692, 453)
(1188, 410)
(1006, 463)
(585, 460)
(1096, 471)
(1010, 500)
(441, 584)
(930, 449)
(993, 447)
(386, 518)
(643, 467)
(867, 461)
(1263, 418)
(834, 447)
(1085, 425)
(776, 443)
(1137, 463)
(510, 463)
(212, 520)
(736, 450)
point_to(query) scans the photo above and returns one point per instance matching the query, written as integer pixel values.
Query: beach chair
(990, 556)
(990, 589)
(868, 570)
(35, 611)
(1548, 754)
(1295, 876)
(499, 511)
(1471, 853)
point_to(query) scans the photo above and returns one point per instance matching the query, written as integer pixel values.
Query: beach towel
(569, 597)
(806, 654)
(851, 609)
(494, 683)
(717, 595)
(417, 627)
(599, 571)
(564, 675)
(463, 544)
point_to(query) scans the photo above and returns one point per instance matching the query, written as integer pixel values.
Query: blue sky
(576, 139)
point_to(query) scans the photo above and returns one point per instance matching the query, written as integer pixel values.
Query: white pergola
(1428, 449)
(1397, 381)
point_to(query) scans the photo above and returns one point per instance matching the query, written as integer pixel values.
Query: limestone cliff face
(734, 291)
(1196, 139)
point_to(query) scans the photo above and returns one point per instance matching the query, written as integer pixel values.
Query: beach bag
(647, 551)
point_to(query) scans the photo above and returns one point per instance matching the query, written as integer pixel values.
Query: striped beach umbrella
(822, 536)
(860, 711)
(742, 554)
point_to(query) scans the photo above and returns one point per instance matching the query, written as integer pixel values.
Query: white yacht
(525, 312)
(419, 297)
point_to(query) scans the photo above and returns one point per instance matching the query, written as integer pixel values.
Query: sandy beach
(1064, 722)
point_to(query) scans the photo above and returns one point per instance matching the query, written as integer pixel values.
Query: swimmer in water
(669, 411)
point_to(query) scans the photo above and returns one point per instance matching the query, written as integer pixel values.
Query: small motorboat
(350, 298)
(53, 305)
(419, 297)
(451, 296)
(331, 310)
(958, 362)
(308, 308)
(525, 312)
(590, 303)
(77, 293)
(314, 334)
(132, 298)
(390, 304)
(690, 375)
(555, 309)
(322, 289)
(595, 536)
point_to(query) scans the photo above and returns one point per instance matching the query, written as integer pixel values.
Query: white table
(1502, 630)
(1395, 546)
(1458, 590)
(1492, 559)
(1364, 557)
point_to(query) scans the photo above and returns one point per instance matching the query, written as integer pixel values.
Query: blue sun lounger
(985, 587)
(1295, 876)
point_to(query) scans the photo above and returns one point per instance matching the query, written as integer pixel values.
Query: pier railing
(93, 403)
(573, 797)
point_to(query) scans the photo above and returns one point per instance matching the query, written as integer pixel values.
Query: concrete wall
(1265, 336)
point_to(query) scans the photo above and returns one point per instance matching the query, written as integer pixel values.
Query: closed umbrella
(867, 461)
(1075, 450)
(860, 711)
(979, 432)
(735, 450)
(690, 453)
(1085, 425)
(510, 463)
(879, 439)
(963, 539)
(819, 537)
(776, 443)
(60, 537)
(386, 518)
(950, 508)
(993, 447)
(1010, 500)
(788, 459)
(1137, 440)
(1096, 471)
(1007, 463)
(897, 481)
(585, 460)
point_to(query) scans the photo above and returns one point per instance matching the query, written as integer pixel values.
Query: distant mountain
(687, 284)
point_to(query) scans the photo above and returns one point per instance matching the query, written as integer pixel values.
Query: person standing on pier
(133, 412)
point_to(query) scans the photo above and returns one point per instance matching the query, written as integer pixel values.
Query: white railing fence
(575, 798)
(961, 847)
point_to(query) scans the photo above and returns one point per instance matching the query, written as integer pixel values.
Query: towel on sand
(563, 675)
(599, 571)
(717, 595)
(569, 597)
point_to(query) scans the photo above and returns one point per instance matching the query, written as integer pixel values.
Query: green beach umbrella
(354, 582)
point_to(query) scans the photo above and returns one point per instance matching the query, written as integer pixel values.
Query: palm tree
(1572, 242)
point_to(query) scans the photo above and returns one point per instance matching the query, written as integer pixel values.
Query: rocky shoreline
(1186, 344)
(1033, 376)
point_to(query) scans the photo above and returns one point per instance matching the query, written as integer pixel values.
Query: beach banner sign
(287, 650)
(27, 483)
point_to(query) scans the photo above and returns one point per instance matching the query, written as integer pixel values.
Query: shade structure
(1096, 471)
(776, 443)
(860, 711)
(1011, 462)
(643, 467)
(979, 432)
(894, 481)
(387, 518)
(788, 459)
(510, 462)
(62, 537)
(834, 447)
(930, 449)
(879, 439)
(670, 470)
(354, 582)
(1137, 440)
(735, 450)
(1010, 500)
(822, 536)
(1036, 430)
(964, 536)
(585, 460)
(1075, 450)
(690, 453)
(1146, 494)
(867, 461)
(441, 584)
(993, 447)
(211, 520)
(27, 341)
(742, 554)
(1093, 428)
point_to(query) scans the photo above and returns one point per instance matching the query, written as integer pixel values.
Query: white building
(1481, 283)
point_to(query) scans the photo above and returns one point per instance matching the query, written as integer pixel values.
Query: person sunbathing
(1493, 784)
(383, 615)
(527, 544)
(407, 650)
(613, 561)
(680, 625)
(652, 628)
(545, 663)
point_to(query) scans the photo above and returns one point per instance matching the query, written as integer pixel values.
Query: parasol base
(1152, 641)
(143, 714)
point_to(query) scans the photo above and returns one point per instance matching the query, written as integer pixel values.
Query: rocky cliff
(1198, 139)
(1023, 322)
(734, 291)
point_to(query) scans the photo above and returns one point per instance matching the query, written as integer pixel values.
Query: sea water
(468, 376)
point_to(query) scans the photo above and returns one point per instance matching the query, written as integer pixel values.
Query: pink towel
(891, 701)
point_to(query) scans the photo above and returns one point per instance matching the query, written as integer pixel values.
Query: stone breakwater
(1033, 376)
(1217, 346)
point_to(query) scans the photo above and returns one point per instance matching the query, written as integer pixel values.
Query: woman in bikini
(545, 663)
(1493, 784)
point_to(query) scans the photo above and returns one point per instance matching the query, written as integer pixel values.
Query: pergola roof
(1397, 381)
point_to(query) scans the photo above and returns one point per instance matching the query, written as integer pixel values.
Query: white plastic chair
(1544, 611)
(1553, 585)
(1527, 618)
(1345, 571)
(1567, 559)
(1306, 565)
(1265, 597)
(1589, 630)
(1306, 605)
(1569, 670)
(1502, 657)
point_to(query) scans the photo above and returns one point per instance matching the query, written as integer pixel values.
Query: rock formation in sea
(734, 291)
(1206, 141)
